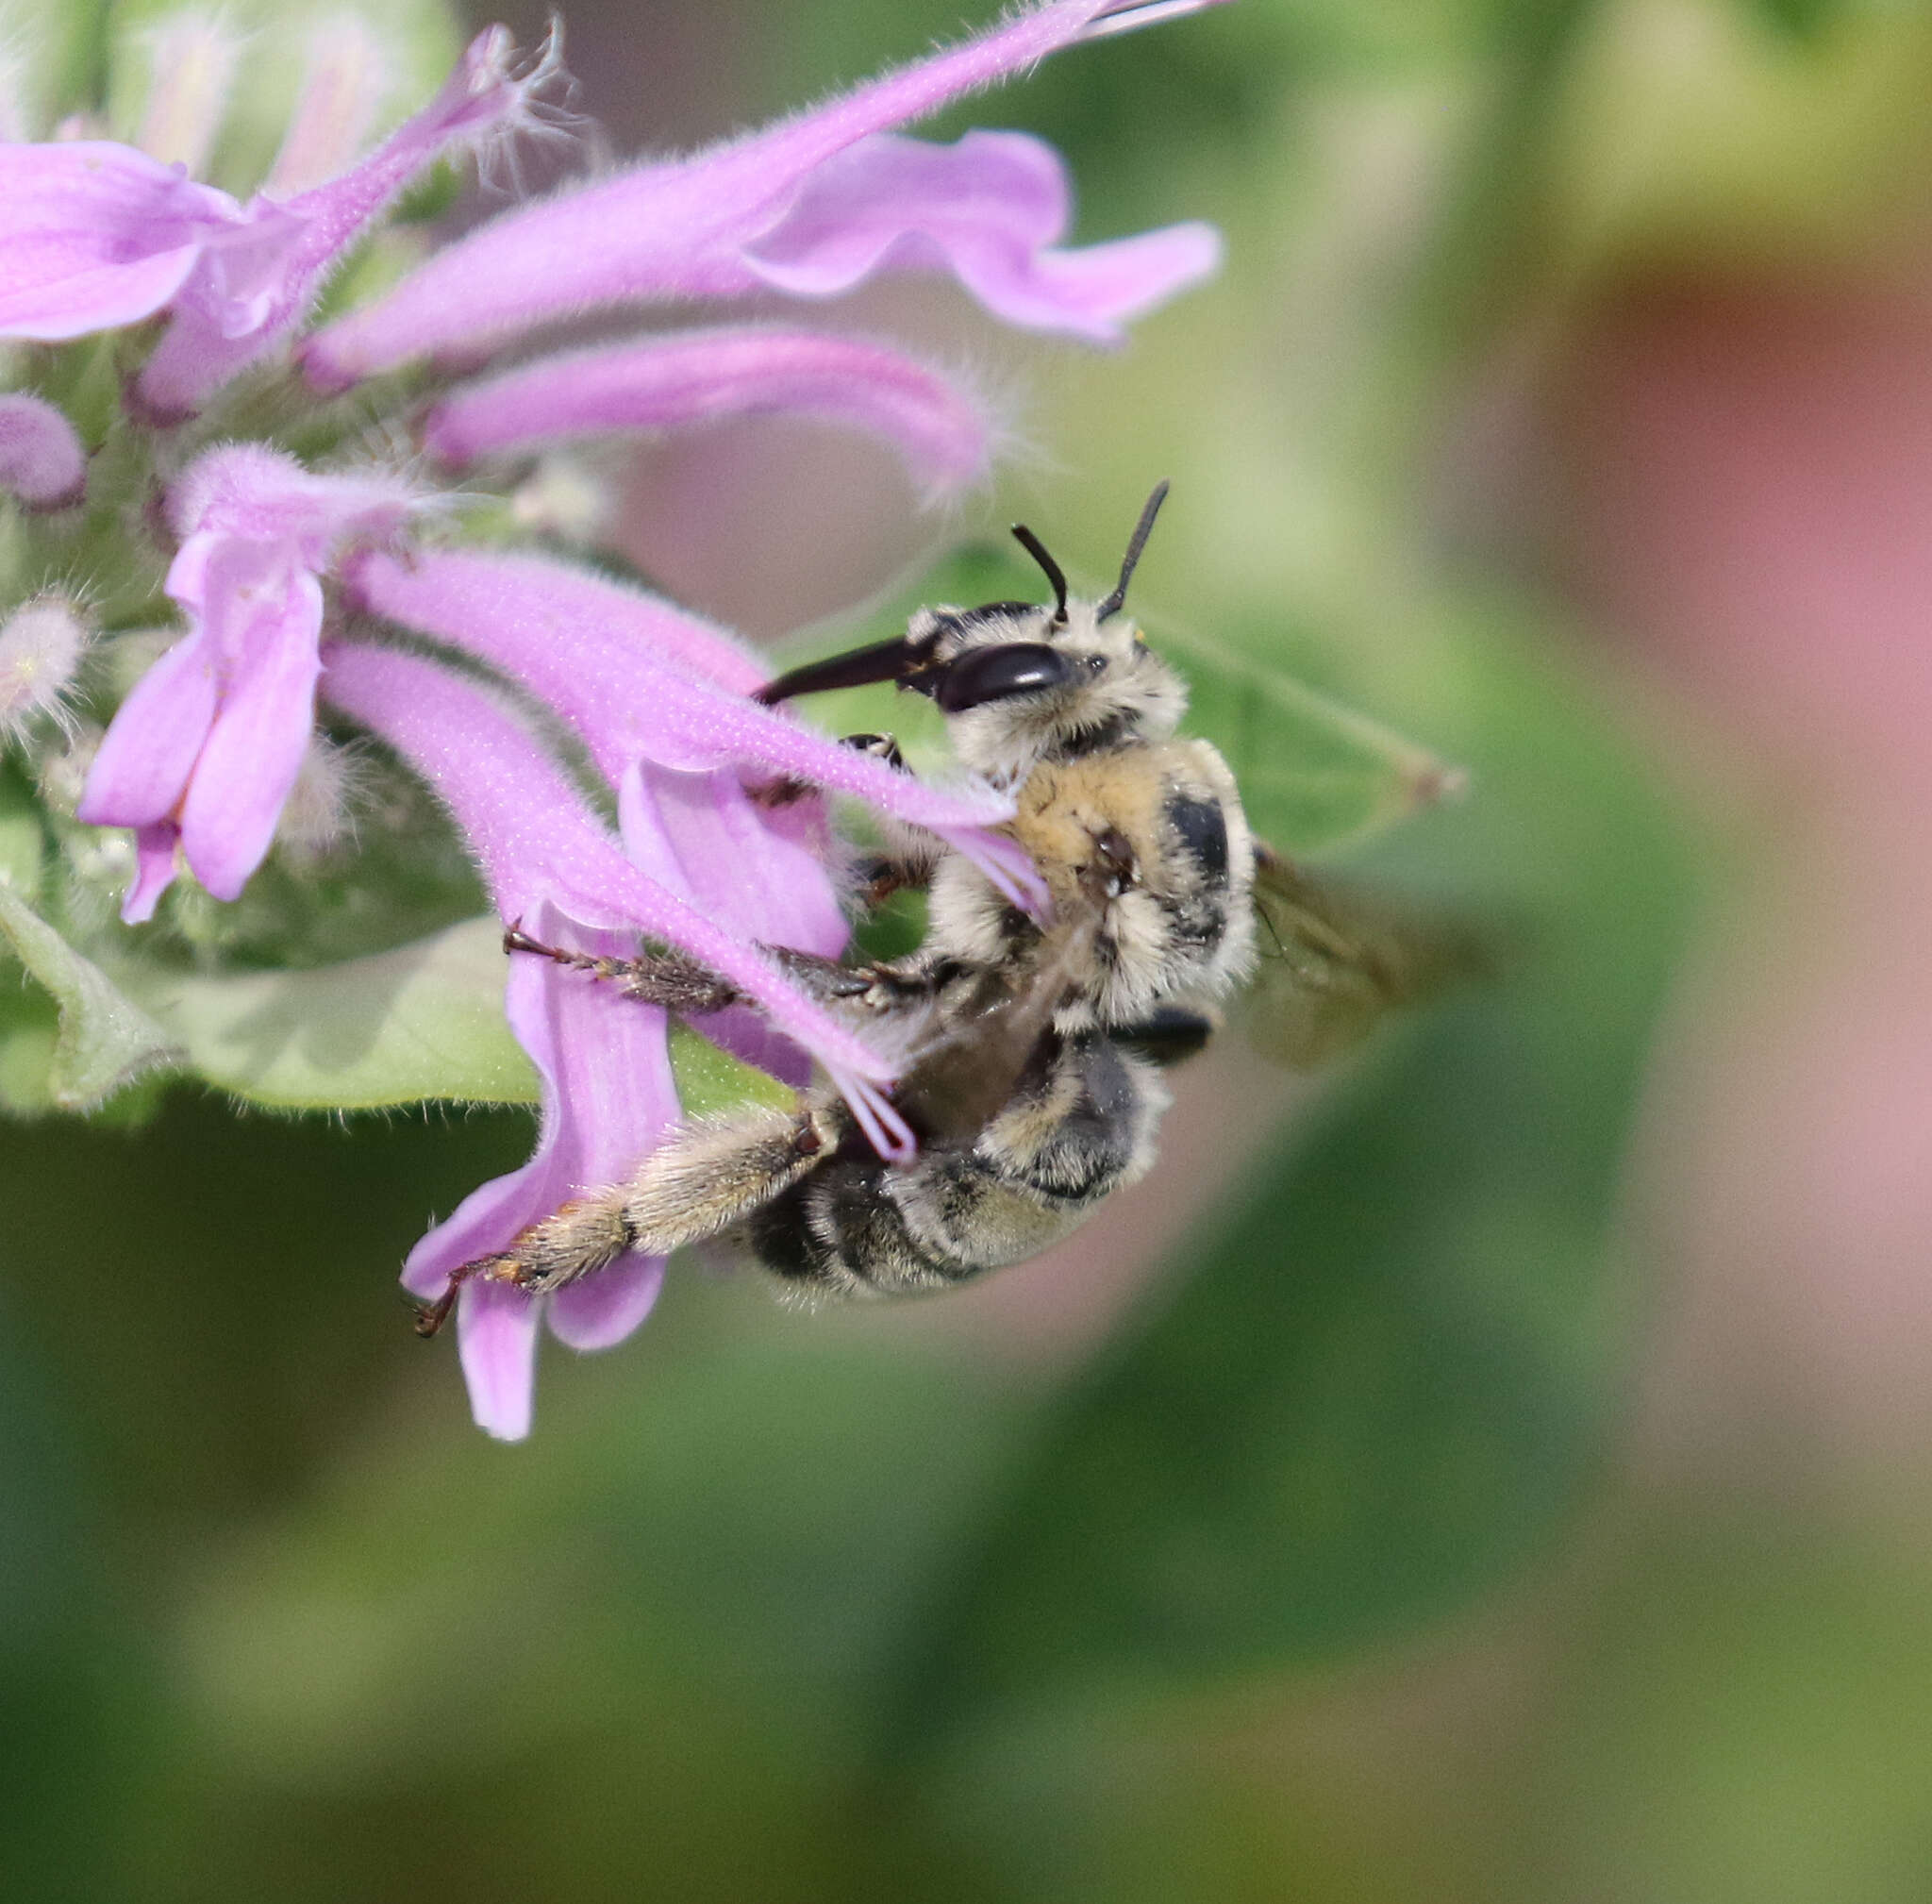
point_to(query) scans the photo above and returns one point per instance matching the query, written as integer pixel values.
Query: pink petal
(716, 844)
(42, 460)
(606, 1095)
(140, 771)
(676, 382)
(755, 871)
(536, 839)
(493, 1212)
(254, 747)
(988, 210)
(226, 321)
(96, 235)
(602, 1309)
(496, 1336)
(249, 492)
(670, 229)
(553, 596)
(153, 870)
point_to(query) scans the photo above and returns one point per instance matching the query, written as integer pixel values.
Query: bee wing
(989, 1034)
(1333, 963)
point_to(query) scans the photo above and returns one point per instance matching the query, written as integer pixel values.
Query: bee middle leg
(682, 985)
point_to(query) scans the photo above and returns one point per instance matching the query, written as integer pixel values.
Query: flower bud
(192, 65)
(42, 460)
(41, 650)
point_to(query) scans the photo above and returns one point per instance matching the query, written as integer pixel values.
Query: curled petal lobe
(749, 868)
(42, 460)
(758, 871)
(255, 746)
(94, 235)
(704, 377)
(599, 1311)
(989, 210)
(213, 737)
(153, 870)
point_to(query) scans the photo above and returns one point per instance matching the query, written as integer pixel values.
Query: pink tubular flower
(703, 376)
(598, 654)
(812, 205)
(96, 235)
(250, 291)
(205, 749)
(606, 1089)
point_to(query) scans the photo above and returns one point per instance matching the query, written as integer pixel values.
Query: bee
(1035, 1046)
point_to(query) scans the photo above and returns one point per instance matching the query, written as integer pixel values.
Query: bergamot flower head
(207, 421)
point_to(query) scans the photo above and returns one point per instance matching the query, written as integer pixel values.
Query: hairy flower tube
(235, 421)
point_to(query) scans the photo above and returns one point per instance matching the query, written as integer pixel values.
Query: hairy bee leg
(430, 1316)
(885, 874)
(714, 1174)
(666, 978)
(708, 1177)
(681, 985)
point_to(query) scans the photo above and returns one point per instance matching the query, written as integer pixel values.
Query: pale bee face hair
(1073, 681)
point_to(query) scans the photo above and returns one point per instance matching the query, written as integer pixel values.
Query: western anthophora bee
(1036, 1045)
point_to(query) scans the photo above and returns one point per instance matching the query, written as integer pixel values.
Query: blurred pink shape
(1751, 470)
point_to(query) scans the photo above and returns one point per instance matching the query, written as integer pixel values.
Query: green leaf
(710, 1081)
(105, 1040)
(57, 46)
(425, 1021)
(23, 838)
(1385, 1382)
(1315, 776)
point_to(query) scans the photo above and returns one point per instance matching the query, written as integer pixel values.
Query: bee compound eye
(999, 674)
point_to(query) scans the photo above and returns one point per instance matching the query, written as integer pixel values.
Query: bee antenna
(1037, 549)
(1136, 542)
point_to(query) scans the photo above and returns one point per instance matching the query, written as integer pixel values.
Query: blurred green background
(1500, 1471)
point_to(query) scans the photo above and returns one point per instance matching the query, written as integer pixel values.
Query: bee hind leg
(585, 1235)
(706, 1179)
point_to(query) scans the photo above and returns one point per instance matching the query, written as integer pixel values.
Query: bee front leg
(682, 985)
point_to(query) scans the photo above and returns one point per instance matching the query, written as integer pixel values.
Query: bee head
(1021, 683)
